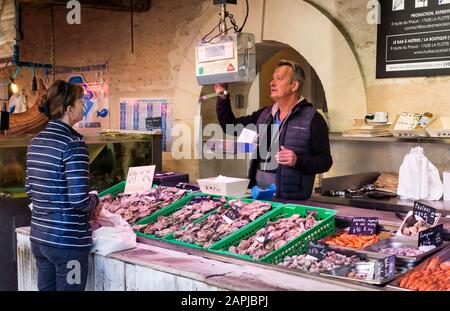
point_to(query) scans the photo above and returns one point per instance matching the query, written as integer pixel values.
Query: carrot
(411, 281)
(433, 263)
(404, 281)
(424, 286)
(430, 287)
(416, 285)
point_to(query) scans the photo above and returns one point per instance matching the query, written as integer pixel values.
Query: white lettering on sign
(74, 15)
(139, 179)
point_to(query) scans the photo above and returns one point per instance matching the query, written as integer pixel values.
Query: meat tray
(444, 254)
(399, 242)
(363, 268)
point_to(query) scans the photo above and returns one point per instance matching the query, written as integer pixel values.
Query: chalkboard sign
(427, 213)
(387, 267)
(231, 215)
(432, 236)
(364, 226)
(413, 38)
(153, 123)
(4, 120)
(317, 249)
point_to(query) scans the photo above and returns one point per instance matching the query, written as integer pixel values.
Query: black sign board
(153, 123)
(427, 213)
(364, 226)
(231, 214)
(387, 267)
(317, 249)
(413, 38)
(4, 120)
(432, 236)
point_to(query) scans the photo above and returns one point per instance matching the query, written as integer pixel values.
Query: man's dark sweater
(319, 161)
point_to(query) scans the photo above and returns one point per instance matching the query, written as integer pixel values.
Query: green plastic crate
(296, 246)
(17, 193)
(114, 190)
(117, 189)
(120, 188)
(168, 210)
(172, 239)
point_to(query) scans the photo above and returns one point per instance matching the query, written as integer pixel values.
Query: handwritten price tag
(427, 213)
(139, 179)
(231, 215)
(387, 267)
(432, 236)
(364, 225)
(317, 249)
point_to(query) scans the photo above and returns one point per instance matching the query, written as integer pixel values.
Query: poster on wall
(149, 115)
(413, 38)
(95, 104)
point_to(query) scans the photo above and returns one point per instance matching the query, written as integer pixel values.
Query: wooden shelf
(391, 139)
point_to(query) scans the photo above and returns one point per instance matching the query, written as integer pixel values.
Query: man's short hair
(298, 72)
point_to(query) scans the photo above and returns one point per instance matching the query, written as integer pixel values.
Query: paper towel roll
(447, 186)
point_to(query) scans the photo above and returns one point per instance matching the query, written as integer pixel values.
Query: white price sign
(139, 179)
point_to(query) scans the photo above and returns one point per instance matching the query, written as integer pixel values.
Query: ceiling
(114, 5)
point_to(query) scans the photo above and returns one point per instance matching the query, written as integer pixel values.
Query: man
(298, 139)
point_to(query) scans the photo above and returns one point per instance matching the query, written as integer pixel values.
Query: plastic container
(296, 246)
(263, 194)
(170, 179)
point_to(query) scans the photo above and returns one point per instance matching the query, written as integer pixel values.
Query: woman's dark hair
(59, 97)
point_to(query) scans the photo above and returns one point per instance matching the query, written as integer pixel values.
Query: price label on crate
(231, 215)
(265, 238)
(139, 179)
(427, 213)
(317, 249)
(387, 267)
(364, 226)
(432, 236)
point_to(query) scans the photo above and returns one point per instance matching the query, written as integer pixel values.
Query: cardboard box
(409, 133)
(439, 128)
(221, 185)
(411, 219)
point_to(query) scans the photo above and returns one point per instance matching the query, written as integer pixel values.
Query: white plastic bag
(418, 178)
(114, 234)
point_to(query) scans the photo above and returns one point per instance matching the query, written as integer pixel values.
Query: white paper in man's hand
(247, 136)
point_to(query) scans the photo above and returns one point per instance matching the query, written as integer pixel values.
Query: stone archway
(319, 41)
(314, 36)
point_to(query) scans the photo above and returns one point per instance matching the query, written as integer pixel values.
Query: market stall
(195, 241)
(341, 191)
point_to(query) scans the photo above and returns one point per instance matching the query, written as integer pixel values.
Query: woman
(57, 182)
